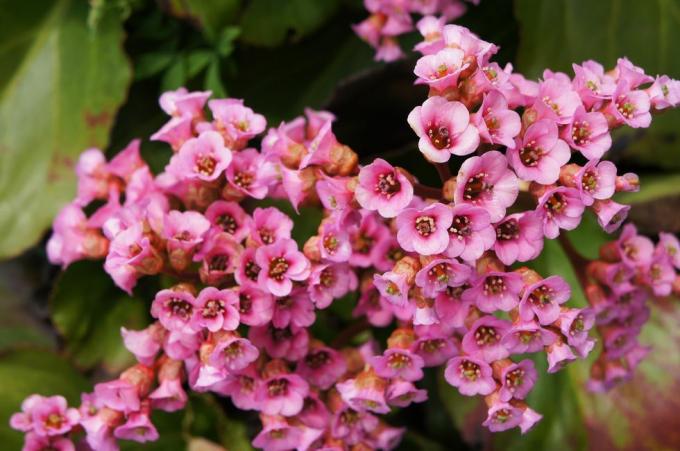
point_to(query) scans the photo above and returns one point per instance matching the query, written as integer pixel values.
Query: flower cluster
(437, 261)
(390, 18)
(631, 270)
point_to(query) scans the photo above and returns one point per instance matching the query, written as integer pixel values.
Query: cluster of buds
(437, 261)
(630, 271)
(390, 18)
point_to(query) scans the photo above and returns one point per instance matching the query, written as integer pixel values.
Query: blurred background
(77, 74)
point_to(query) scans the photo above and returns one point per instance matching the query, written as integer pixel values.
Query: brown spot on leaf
(94, 120)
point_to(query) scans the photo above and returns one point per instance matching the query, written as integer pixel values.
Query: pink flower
(470, 375)
(118, 395)
(556, 100)
(270, 225)
(69, 239)
(295, 308)
(365, 392)
(444, 129)
(93, 177)
(334, 243)
(216, 310)
(246, 176)
(255, 307)
(182, 103)
(235, 121)
(592, 84)
(45, 416)
(540, 154)
(634, 249)
(383, 188)
(559, 354)
(352, 426)
(610, 214)
(138, 428)
(401, 393)
(560, 208)
(430, 28)
(329, 282)
(367, 240)
(130, 256)
(175, 132)
(424, 230)
(497, 124)
(174, 309)
(392, 287)
(519, 237)
(664, 93)
(281, 263)
(169, 396)
(289, 342)
(483, 339)
(670, 246)
(486, 181)
(495, 291)
(219, 258)
(575, 324)
(470, 232)
(35, 442)
(434, 350)
(322, 367)
(588, 133)
(502, 416)
(184, 232)
(517, 380)
(230, 218)
(440, 70)
(543, 299)
(282, 395)
(441, 273)
(278, 435)
(233, 353)
(630, 107)
(398, 363)
(202, 158)
(527, 337)
(596, 180)
(144, 344)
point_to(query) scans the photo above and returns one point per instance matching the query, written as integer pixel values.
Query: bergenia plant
(444, 266)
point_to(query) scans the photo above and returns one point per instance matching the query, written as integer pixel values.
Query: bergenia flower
(495, 291)
(398, 363)
(174, 309)
(470, 232)
(236, 122)
(486, 181)
(596, 180)
(440, 70)
(270, 225)
(383, 188)
(424, 230)
(444, 129)
(630, 107)
(204, 158)
(560, 208)
(216, 310)
(588, 133)
(281, 263)
(539, 154)
(470, 375)
(483, 339)
(497, 124)
(441, 273)
(517, 380)
(543, 299)
(519, 237)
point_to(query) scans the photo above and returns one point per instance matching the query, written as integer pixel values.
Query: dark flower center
(508, 230)
(439, 136)
(278, 268)
(227, 223)
(425, 225)
(388, 184)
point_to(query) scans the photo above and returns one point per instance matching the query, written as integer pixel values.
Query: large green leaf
(26, 372)
(88, 311)
(556, 33)
(60, 87)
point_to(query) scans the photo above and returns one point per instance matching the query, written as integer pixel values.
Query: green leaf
(197, 61)
(150, 64)
(88, 311)
(211, 15)
(61, 85)
(26, 372)
(213, 79)
(555, 34)
(176, 75)
(260, 26)
(225, 43)
(206, 419)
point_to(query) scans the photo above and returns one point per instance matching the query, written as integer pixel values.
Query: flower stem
(427, 191)
(578, 261)
(444, 171)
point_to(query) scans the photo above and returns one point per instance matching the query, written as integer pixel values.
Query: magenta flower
(539, 154)
(486, 181)
(130, 256)
(596, 180)
(174, 310)
(435, 349)
(610, 214)
(334, 243)
(202, 158)
(543, 299)
(527, 337)
(216, 310)
(314, 413)
(219, 258)
(634, 249)
(255, 307)
(519, 237)
(375, 307)
(664, 93)
(470, 233)
(495, 291)
(175, 132)
(483, 339)
(440, 70)
(35, 442)
(66, 244)
(497, 124)
(144, 344)
(559, 354)
(398, 363)
(230, 218)
(45, 416)
(669, 246)
(588, 133)
(365, 392)
(270, 225)
(502, 416)
(322, 367)
(630, 107)
(283, 394)
(592, 84)
(328, 282)
(392, 287)
(169, 396)
(351, 426)
(559, 208)
(278, 435)
(118, 395)
(334, 192)
(517, 380)
(444, 129)
(441, 273)
(184, 232)
(575, 324)
(236, 122)
(424, 230)
(281, 264)
(470, 375)
(367, 240)
(384, 189)
(401, 393)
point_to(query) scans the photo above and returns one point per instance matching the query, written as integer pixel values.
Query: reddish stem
(427, 191)
(578, 262)
(443, 170)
